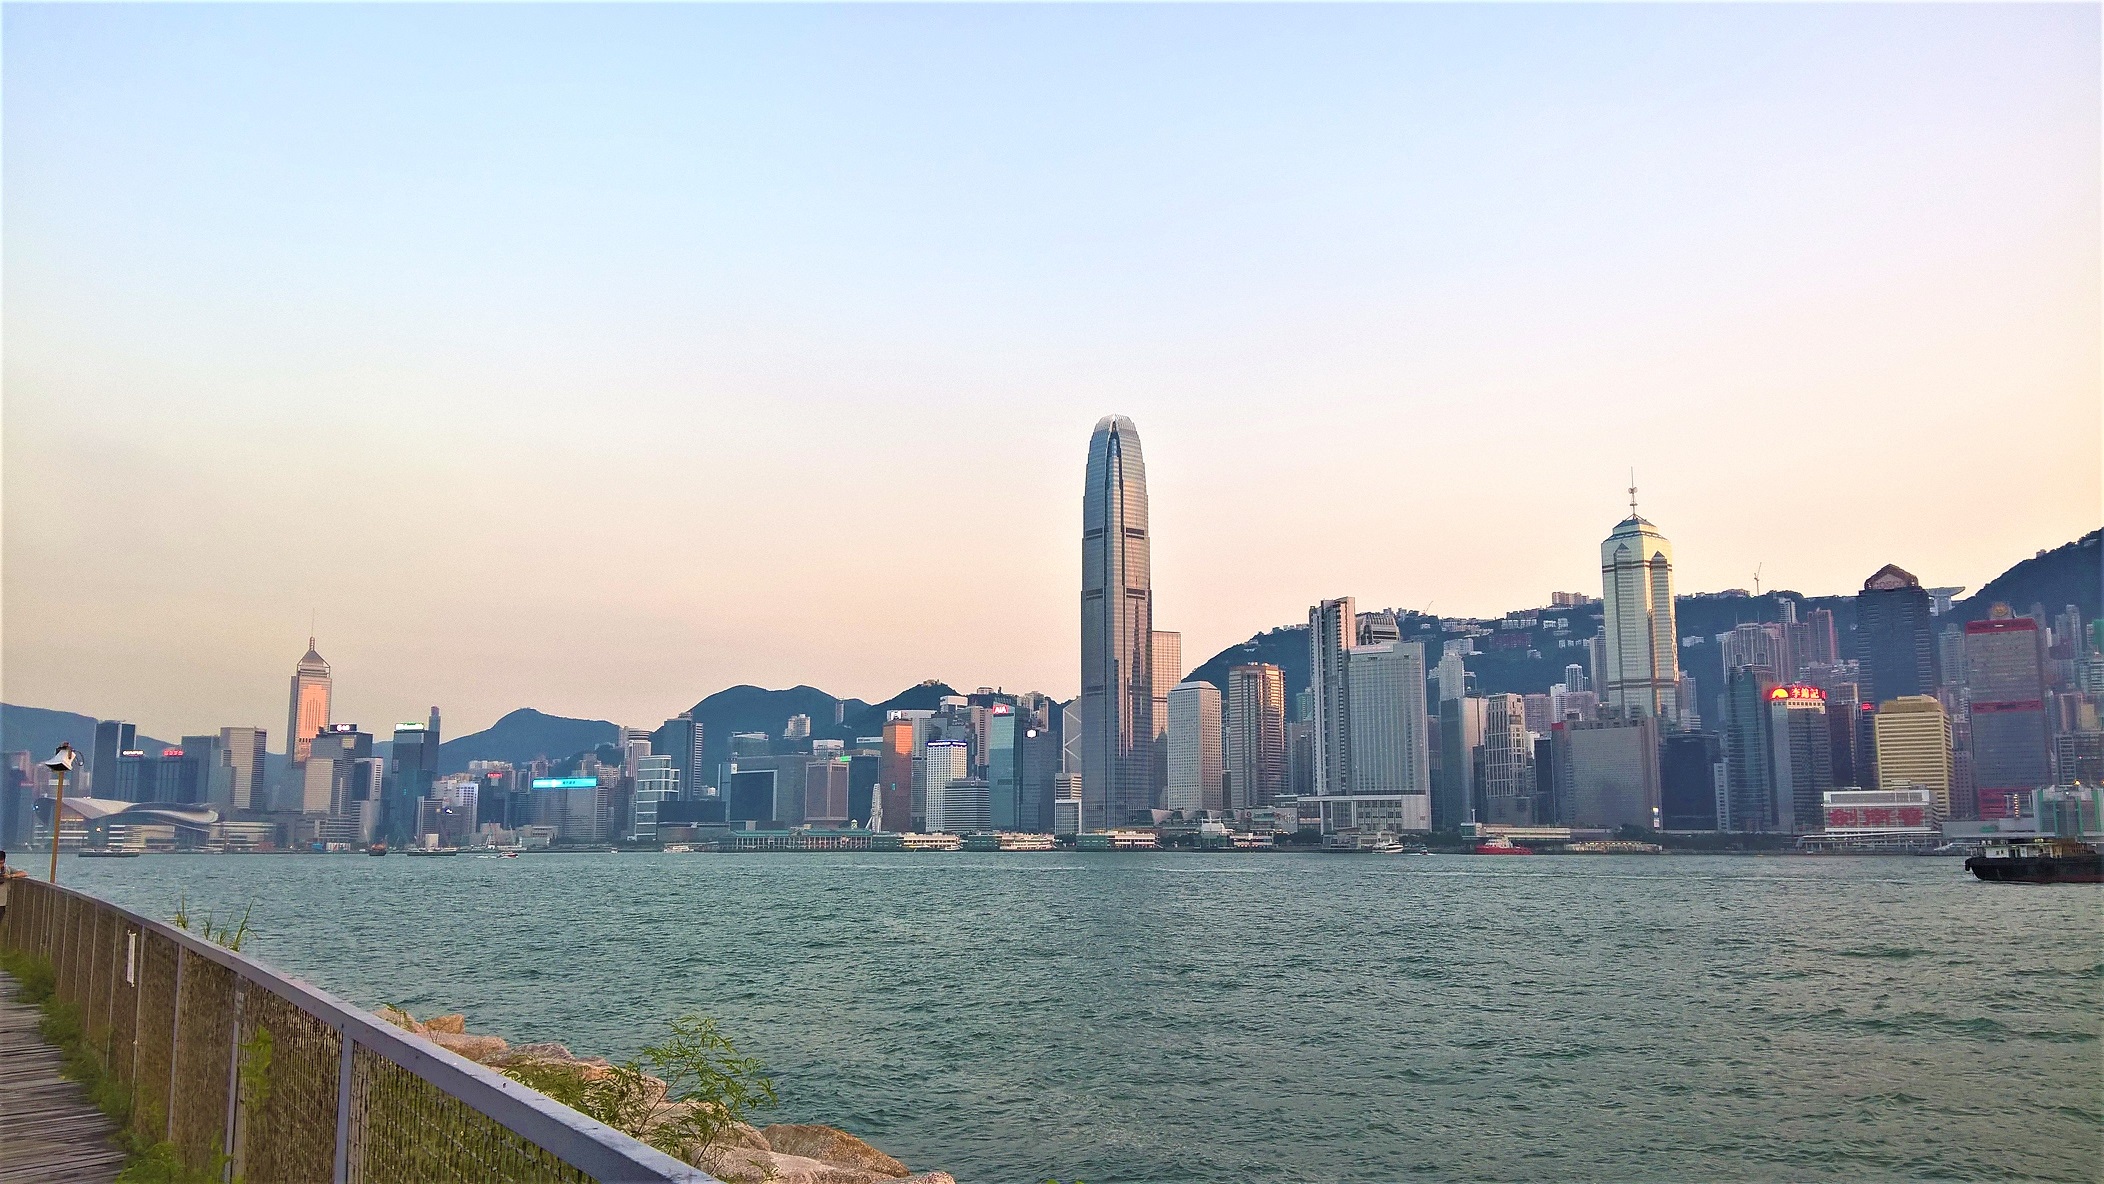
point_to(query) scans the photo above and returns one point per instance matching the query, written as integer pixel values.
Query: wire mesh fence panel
(95, 1017)
(124, 1002)
(286, 1125)
(62, 961)
(204, 1048)
(156, 973)
(405, 1128)
(84, 917)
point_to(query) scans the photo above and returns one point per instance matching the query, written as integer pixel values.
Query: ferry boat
(2038, 861)
(1500, 845)
(106, 853)
(1394, 846)
(377, 849)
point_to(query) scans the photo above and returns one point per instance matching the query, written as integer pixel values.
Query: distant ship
(1500, 845)
(105, 853)
(377, 849)
(2038, 861)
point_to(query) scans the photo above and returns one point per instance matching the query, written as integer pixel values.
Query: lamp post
(60, 761)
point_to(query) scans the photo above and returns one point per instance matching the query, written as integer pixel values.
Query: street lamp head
(62, 760)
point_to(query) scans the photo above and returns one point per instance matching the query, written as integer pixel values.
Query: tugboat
(1500, 845)
(2038, 861)
(377, 849)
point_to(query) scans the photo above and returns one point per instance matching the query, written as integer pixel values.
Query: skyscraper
(242, 750)
(1117, 630)
(1332, 627)
(1508, 763)
(412, 767)
(682, 738)
(1914, 747)
(308, 712)
(947, 761)
(1165, 656)
(1460, 739)
(113, 738)
(895, 772)
(1256, 734)
(1894, 641)
(2005, 686)
(1194, 758)
(1386, 693)
(1803, 756)
(1749, 753)
(1642, 659)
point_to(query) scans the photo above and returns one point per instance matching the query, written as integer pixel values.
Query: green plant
(35, 978)
(698, 1089)
(229, 936)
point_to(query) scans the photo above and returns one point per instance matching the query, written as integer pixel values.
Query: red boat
(1500, 845)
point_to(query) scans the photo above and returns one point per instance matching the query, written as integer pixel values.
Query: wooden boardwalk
(49, 1132)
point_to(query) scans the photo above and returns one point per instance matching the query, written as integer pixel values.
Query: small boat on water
(105, 853)
(431, 851)
(1398, 847)
(2038, 861)
(511, 855)
(377, 849)
(1500, 845)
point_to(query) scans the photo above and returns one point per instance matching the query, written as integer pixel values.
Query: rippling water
(1181, 1017)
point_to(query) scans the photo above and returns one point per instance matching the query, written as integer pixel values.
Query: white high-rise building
(1332, 627)
(1167, 655)
(1641, 662)
(947, 761)
(1196, 770)
(1255, 735)
(1389, 745)
(1453, 675)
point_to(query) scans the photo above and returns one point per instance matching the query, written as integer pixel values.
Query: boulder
(929, 1178)
(743, 1165)
(456, 1023)
(483, 1050)
(400, 1019)
(832, 1146)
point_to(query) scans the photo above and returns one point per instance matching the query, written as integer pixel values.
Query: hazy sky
(597, 358)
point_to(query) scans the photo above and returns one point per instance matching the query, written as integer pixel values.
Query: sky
(597, 358)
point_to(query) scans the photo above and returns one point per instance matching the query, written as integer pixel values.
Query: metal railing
(253, 1076)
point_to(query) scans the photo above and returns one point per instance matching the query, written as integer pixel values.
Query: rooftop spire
(1632, 493)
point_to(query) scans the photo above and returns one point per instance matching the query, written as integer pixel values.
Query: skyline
(527, 345)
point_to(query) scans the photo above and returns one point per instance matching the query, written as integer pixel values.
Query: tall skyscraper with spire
(1117, 630)
(1641, 675)
(309, 711)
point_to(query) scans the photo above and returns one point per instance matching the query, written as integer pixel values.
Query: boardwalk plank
(49, 1132)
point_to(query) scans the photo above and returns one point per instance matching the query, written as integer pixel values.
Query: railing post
(233, 1082)
(175, 1037)
(109, 1021)
(343, 1109)
(135, 962)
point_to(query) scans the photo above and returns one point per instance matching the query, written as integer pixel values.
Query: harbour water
(1177, 1017)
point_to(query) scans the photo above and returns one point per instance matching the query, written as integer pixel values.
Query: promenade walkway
(49, 1132)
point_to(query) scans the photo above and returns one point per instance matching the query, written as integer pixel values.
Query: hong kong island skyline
(739, 346)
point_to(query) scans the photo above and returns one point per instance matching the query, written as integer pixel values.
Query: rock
(541, 1052)
(455, 1024)
(747, 1166)
(746, 1135)
(483, 1050)
(929, 1178)
(400, 1019)
(835, 1147)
